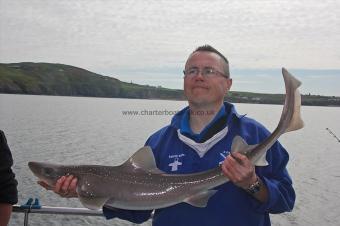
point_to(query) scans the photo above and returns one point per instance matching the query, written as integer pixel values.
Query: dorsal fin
(241, 146)
(142, 159)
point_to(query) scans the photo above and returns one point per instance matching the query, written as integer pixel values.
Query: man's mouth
(200, 87)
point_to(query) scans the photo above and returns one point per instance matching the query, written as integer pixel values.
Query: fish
(138, 184)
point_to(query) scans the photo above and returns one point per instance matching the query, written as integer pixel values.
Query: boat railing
(35, 207)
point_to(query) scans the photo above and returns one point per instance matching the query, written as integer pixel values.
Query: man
(199, 138)
(8, 184)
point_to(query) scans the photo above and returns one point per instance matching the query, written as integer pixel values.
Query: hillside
(65, 80)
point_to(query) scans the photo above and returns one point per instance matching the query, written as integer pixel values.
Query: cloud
(110, 36)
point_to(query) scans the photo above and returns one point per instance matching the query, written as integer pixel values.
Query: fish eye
(49, 172)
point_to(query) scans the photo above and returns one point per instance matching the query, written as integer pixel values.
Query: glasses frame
(204, 72)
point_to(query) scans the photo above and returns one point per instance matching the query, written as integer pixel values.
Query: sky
(148, 41)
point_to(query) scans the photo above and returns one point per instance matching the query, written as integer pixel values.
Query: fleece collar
(229, 109)
(216, 130)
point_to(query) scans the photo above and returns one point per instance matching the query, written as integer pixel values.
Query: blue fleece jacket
(231, 205)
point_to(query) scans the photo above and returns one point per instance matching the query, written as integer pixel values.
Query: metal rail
(58, 210)
(27, 209)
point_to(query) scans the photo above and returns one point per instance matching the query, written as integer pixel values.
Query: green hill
(65, 80)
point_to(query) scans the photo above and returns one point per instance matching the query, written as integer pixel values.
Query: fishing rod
(333, 134)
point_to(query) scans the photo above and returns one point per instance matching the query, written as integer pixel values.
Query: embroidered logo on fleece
(223, 155)
(176, 161)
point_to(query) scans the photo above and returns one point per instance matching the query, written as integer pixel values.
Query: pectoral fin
(90, 192)
(93, 203)
(201, 199)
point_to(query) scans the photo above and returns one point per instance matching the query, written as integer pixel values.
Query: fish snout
(34, 167)
(44, 171)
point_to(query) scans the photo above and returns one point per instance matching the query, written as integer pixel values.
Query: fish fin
(289, 77)
(88, 193)
(296, 121)
(201, 199)
(262, 161)
(143, 160)
(93, 203)
(240, 145)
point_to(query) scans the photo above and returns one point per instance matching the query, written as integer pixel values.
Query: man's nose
(199, 76)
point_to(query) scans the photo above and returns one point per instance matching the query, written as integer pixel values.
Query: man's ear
(229, 82)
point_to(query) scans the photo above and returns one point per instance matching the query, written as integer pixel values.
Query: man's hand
(65, 186)
(239, 170)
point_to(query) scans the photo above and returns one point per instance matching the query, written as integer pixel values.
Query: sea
(106, 131)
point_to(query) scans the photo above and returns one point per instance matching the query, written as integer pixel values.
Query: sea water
(106, 131)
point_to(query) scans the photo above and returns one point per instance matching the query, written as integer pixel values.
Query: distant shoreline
(226, 99)
(65, 80)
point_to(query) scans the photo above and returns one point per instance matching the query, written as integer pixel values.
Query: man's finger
(232, 161)
(59, 184)
(66, 184)
(240, 158)
(227, 170)
(73, 184)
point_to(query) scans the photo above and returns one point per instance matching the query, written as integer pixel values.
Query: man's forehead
(204, 57)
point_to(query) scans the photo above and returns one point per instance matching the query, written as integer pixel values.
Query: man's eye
(209, 71)
(192, 71)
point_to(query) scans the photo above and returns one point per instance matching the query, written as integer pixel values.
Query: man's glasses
(206, 72)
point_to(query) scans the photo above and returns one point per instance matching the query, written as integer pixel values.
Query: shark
(138, 184)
